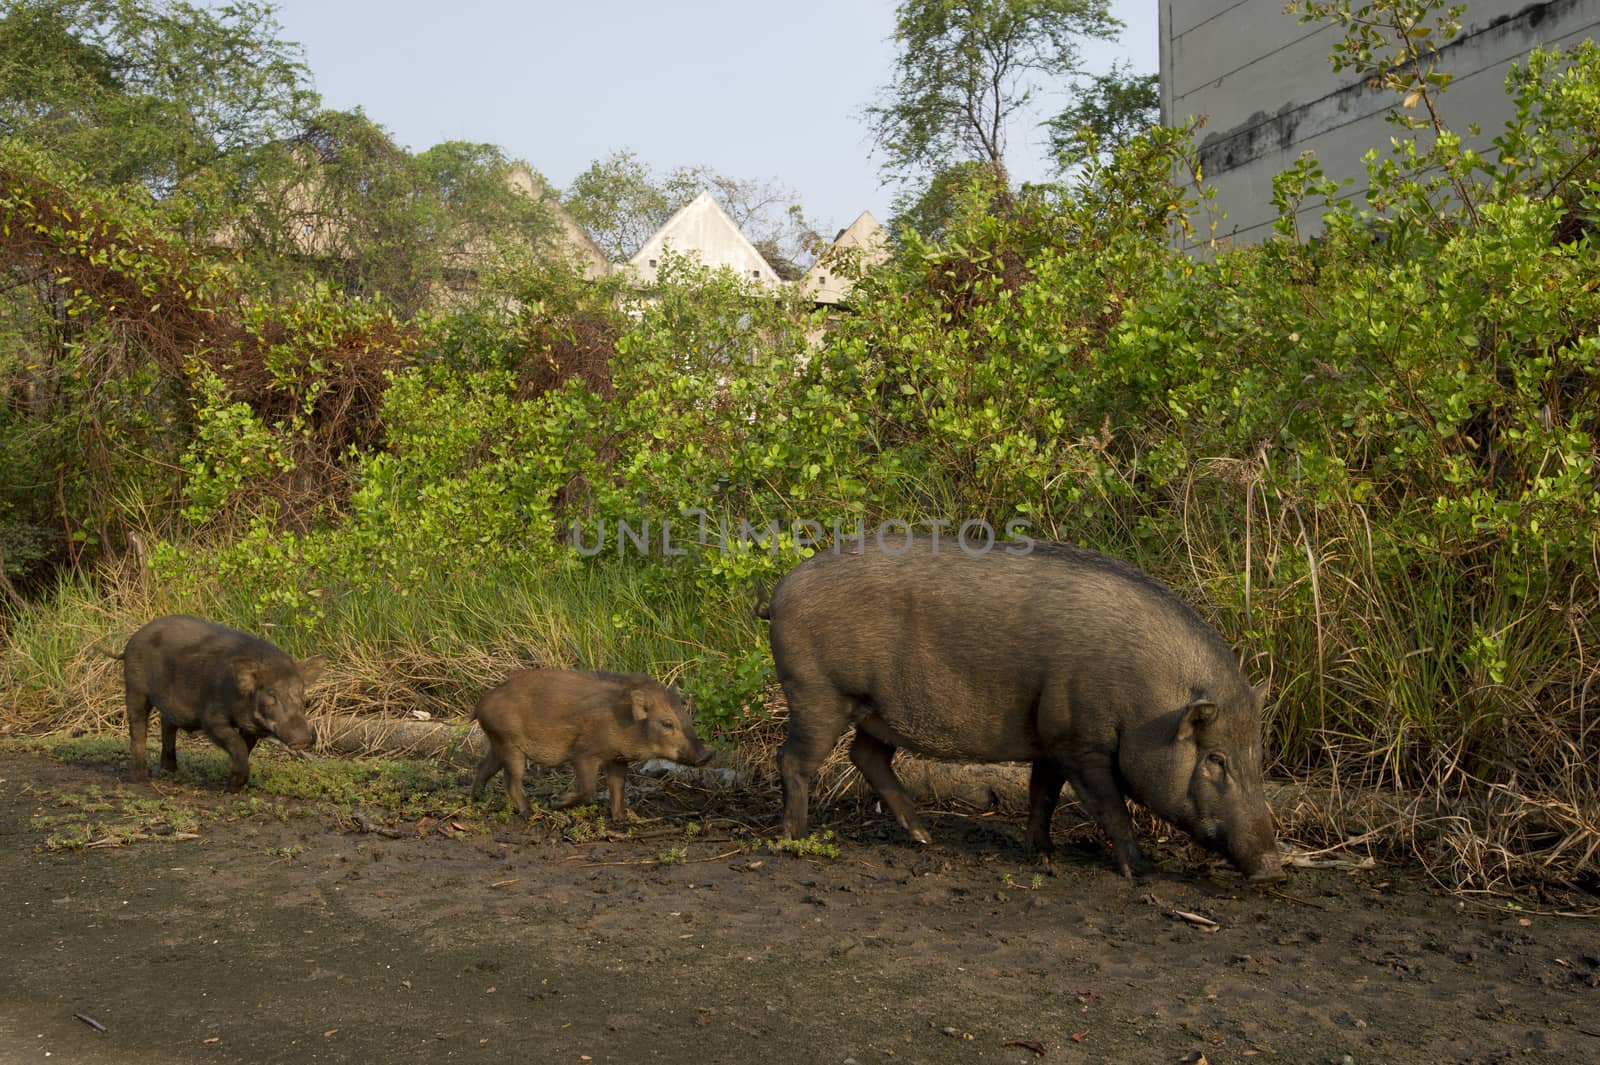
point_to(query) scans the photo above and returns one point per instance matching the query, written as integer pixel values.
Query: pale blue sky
(753, 89)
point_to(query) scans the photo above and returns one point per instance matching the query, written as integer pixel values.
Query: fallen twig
(658, 861)
(1205, 923)
(1026, 1044)
(1290, 898)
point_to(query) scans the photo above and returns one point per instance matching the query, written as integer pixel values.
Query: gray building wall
(1263, 80)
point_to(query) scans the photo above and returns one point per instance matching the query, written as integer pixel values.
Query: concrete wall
(1263, 79)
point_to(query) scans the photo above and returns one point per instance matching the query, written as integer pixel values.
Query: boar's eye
(670, 725)
(1217, 761)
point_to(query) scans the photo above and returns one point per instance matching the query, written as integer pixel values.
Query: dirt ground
(332, 935)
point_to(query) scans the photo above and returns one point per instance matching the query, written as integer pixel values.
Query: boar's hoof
(1268, 871)
(919, 835)
(1136, 867)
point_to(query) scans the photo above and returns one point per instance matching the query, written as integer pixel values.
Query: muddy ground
(320, 932)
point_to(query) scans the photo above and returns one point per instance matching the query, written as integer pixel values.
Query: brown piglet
(552, 716)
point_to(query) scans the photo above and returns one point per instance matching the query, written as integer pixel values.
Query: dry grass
(1408, 784)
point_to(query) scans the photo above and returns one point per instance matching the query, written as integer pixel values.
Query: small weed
(94, 819)
(70, 837)
(580, 824)
(693, 829)
(673, 856)
(101, 752)
(812, 846)
(289, 853)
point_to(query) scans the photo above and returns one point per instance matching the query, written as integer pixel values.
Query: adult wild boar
(234, 687)
(1088, 668)
(557, 715)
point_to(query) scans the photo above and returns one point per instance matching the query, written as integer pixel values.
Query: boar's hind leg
(138, 732)
(487, 768)
(1095, 783)
(816, 721)
(585, 771)
(1044, 792)
(515, 762)
(874, 758)
(169, 745)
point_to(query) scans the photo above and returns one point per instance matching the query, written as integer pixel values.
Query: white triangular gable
(574, 242)
(861, 245)
(702, 229)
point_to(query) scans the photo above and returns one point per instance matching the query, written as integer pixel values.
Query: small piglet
(234, 687)
(555, 715)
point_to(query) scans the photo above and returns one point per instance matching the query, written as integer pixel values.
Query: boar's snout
(1266, 870)
(697, 753)
(296, 735)
(1256, 855)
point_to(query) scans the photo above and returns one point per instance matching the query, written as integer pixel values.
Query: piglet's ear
(311, 668)
(246, 674)
(1196, 716)
(641, 705)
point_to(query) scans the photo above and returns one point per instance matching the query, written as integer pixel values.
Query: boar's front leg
(1095, 782)
(230, 740)
(616, 774)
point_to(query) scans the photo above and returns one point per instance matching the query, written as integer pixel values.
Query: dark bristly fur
(1091, 670)
(236, 688)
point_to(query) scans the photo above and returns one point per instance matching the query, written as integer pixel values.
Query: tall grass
(1472, 709)
(431, 648)
(1461, 683)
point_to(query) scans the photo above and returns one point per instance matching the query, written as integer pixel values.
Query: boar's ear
(641, 705)
(311, 668)
(246, 674)
(1261, 691)
(1199, 713)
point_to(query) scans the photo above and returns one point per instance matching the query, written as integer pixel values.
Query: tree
(345, 201)
(928, 212)
(1112, 108)
(966, 67)
(149, 91)
(621, 202)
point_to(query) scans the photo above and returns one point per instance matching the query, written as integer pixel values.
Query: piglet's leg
(616, 772)
(585, 771)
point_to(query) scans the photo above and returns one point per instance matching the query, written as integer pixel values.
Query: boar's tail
(763, 602)
(105, 649)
